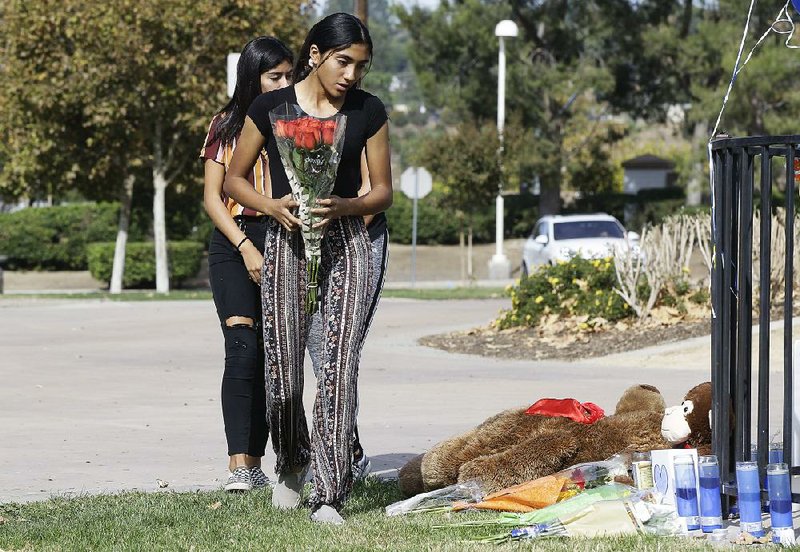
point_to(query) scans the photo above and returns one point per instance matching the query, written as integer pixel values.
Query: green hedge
(55, 238)
(140, 262)
(438, 225)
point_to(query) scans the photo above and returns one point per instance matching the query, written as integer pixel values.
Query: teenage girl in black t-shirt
(334, 57)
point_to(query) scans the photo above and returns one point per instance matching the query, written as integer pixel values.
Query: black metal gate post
(733, 161)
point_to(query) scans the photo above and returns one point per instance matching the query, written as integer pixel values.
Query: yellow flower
(553, 280)
(583, 326)
(538, 299)
(599, 292)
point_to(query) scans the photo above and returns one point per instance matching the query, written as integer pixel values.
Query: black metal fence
(734, 162)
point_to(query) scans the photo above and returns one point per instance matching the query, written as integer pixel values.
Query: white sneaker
(361, 468)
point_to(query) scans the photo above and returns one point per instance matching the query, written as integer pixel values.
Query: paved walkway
(103, 396)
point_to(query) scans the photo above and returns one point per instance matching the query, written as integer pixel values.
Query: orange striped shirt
(222, 153)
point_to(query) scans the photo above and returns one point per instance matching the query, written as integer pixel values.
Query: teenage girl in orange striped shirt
(235, 260)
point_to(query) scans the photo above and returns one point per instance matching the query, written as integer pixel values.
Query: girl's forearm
(222, 219)
(377, 200)
(242, 191)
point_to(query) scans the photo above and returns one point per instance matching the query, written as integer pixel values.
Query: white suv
(558, 238)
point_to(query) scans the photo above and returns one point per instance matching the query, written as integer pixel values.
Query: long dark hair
(259, 55)
(333, 33)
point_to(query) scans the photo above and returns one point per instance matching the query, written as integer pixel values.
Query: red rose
(306, 138)
(308, 133)
(280, 128)
(328, 132)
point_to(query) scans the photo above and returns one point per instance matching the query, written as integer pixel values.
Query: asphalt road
(103, 396)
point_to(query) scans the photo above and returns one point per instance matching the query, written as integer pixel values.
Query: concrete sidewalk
(103, 396)
(437, 266)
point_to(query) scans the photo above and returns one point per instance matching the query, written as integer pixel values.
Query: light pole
(499, 266)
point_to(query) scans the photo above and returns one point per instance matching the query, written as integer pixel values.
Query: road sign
(232, 62)
(416, 182)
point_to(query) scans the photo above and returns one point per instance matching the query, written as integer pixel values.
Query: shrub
(435, 225)
(140, 262)
(577, 287)
(55, 238)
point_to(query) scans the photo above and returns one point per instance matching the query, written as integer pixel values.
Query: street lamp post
(499, 265)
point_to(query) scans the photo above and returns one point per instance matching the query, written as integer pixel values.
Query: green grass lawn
(203, 521)
(184, 294)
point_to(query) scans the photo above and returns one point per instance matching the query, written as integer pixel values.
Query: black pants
(244, 402)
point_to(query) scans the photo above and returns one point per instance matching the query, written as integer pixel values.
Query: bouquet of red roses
(310, 151)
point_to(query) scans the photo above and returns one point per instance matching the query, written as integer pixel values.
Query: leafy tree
(120, 87)
(571, 67)
(465, 164)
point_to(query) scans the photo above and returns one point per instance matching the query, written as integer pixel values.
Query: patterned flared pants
(344, 290)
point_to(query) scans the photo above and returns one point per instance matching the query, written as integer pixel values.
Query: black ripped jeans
(244, 402)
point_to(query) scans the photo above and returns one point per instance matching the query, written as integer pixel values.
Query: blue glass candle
(775, 453)
(686, 491)
(710, 502)
(780, 503)
(749, 494)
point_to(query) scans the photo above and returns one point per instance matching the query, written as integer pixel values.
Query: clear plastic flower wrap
(589, 475)
(438, 500)
(552, 528)
(310, 150)
(654, 517)
(565, 509)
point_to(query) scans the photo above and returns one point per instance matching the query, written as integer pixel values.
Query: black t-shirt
(366, 115)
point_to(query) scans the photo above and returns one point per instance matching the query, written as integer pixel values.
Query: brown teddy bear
(513, 447)
(689, 425)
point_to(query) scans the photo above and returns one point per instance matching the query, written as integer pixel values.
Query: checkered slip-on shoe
(258, 478)
(239, 480)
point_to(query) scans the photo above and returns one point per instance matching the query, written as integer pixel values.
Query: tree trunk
(160, 231)
(118, 268)
(361, 10)
(159, 218)
(694, 188)
(550, 195)
(462, 256)
(470, 273)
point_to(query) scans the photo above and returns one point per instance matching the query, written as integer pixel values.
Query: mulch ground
(539, 344)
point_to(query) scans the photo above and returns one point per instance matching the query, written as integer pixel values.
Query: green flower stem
(312, 302)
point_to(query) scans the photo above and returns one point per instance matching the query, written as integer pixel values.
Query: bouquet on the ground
(310, 150)
(440, 500)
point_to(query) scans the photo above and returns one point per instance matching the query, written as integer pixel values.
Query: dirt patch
(565, 342)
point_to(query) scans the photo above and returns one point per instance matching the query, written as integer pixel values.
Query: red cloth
(585, 413)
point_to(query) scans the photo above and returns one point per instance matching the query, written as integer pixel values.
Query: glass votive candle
(686, 491)
(780, 503)
(710, 501)
(775, 453)
(749, 498)
(642, 469)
